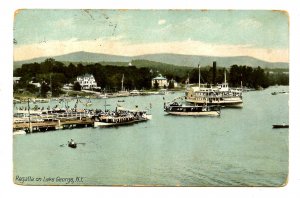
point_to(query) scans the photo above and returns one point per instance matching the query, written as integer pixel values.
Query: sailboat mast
(29, 121)
(225, 76)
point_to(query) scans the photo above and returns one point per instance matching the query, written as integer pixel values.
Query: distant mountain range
(174, 59)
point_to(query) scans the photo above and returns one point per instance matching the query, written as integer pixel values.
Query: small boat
(88, 103)
(278, 126)
(19, 132)
(163, 92)
(40, 100)
(134, 92)
(121, 100)
(72, 144)
(122, 94)
(104, 96)
(279, 92)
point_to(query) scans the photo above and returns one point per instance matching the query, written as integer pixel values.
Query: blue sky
(262, 34)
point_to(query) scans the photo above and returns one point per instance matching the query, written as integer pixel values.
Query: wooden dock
(53, 125)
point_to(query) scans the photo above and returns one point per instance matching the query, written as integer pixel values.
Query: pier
(53, 125)
(32, 120)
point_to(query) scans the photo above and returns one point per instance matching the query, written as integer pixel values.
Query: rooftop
(86, 76)
(159, 77)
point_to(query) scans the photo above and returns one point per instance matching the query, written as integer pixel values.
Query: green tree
(32, 88)
(70, 73)
(44, 89)
(58, 77)
(251, 77)
(156, 85)
(171, 84)
(47, 65)
(77, 86)
(56, 88)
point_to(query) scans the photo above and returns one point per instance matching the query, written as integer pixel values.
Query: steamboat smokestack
(214, 73)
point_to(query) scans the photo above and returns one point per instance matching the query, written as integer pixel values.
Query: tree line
(56, 74)
(108, 77)
(251, 77)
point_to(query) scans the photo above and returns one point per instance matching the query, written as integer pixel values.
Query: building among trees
(87, 81)
(162, 82)
(159, 82)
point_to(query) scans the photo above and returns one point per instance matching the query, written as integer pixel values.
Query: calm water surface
(239, 148)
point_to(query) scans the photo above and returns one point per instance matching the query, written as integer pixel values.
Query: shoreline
(92, 95)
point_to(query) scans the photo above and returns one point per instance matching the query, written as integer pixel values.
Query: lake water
(239, 148)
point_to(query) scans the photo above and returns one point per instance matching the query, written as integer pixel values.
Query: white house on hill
(162, 81)
(87, 81)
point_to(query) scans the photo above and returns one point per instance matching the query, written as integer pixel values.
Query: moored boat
(278, 126)
(176, 108)
(88, 103)
(140, 115)
(19, 132)
(123, 94)
(134, 93)
(214, 95)
(204, 110)
(113, 120)
(121, 116)
(163, 92)
(279, 92)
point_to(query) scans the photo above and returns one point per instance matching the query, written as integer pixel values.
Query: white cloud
(120, 47)
(161, 22)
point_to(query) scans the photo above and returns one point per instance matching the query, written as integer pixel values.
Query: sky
(261, 34)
